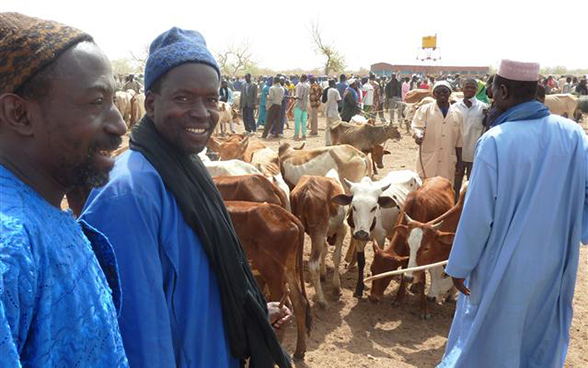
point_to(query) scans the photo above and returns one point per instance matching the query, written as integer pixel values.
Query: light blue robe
(517, 245)
(58, 286)
(171, 313)
(262, 109)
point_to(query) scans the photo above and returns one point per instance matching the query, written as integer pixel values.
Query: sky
(366, 32)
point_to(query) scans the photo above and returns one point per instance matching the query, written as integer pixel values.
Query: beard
(87, 174)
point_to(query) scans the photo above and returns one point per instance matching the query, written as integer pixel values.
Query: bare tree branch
(141, 57)
(235, 58)
(335, 62)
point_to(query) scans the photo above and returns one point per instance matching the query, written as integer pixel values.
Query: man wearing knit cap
(515, 253)
(190, 299)
(437, 130)
(59, 286)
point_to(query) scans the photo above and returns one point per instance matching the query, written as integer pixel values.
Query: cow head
(366, 201)
(426, 242)
(233, 149)
(392, 132)
(384, 261)
(378, 153)
(235, 115)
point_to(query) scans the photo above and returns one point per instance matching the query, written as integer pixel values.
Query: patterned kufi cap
(28, 44)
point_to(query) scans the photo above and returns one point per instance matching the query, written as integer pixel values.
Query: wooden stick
(398, 272)
(285, 296)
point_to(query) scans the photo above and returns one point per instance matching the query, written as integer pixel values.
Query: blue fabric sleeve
(475, 222)
(18, 285)
(584, 237)
(133, 233)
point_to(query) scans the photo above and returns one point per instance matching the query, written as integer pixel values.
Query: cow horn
(437, 226)
(407, 217)
(349, 183)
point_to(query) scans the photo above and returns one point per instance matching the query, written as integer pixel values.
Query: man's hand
(418, 137)
(460, 167)
(458, 283)
(278, 317)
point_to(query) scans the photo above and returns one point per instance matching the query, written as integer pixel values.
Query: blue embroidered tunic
(171, 314)
(56, 305)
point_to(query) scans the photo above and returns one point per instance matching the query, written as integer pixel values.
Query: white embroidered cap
(519, 71)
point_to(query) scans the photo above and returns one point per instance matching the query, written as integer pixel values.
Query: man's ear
(16, 114)
(504, 91)
(150, 104)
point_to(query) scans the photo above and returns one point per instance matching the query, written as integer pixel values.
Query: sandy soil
(358, 333)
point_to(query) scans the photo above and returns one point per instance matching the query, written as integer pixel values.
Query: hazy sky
(365, 32)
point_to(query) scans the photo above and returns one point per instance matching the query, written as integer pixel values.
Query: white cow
(349, 162)
(228, 118)
(227, 168)
(374, 209)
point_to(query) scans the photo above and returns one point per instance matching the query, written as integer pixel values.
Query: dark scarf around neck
(244, 308)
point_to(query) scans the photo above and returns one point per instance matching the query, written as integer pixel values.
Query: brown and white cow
(234, 148)
(431, 242)
(267, 161)
(374, 209)
(349, 162)
(251, 188)
(273, 240)
(433, 199)
(322, 220)
(562, 104)
(365, 137)
(238, 167)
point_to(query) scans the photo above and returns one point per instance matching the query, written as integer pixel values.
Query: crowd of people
(152, 273)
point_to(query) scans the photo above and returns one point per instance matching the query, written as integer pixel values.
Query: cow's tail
(300, 266)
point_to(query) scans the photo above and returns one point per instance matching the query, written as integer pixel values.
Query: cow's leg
(401, 293)
(337, 260)
(318, 240)
(423, 298)
(323, 264)
(360, 266)
(375, 169)
(301, 311)
(351, 255)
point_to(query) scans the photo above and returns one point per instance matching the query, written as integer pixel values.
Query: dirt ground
(358, 333)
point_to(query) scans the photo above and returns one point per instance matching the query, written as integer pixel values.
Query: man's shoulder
(20, 208)
(132, 174)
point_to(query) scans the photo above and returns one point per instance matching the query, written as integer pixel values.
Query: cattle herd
(275, 197)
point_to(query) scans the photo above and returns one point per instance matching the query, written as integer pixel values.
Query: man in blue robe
(59, 289)
(515, 254)
(190, 298)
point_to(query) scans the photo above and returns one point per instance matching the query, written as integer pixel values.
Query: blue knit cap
(174, 47)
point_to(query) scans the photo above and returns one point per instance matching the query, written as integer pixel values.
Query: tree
(140, 58)
(124, 66)
(334, 61)
(235, 59)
